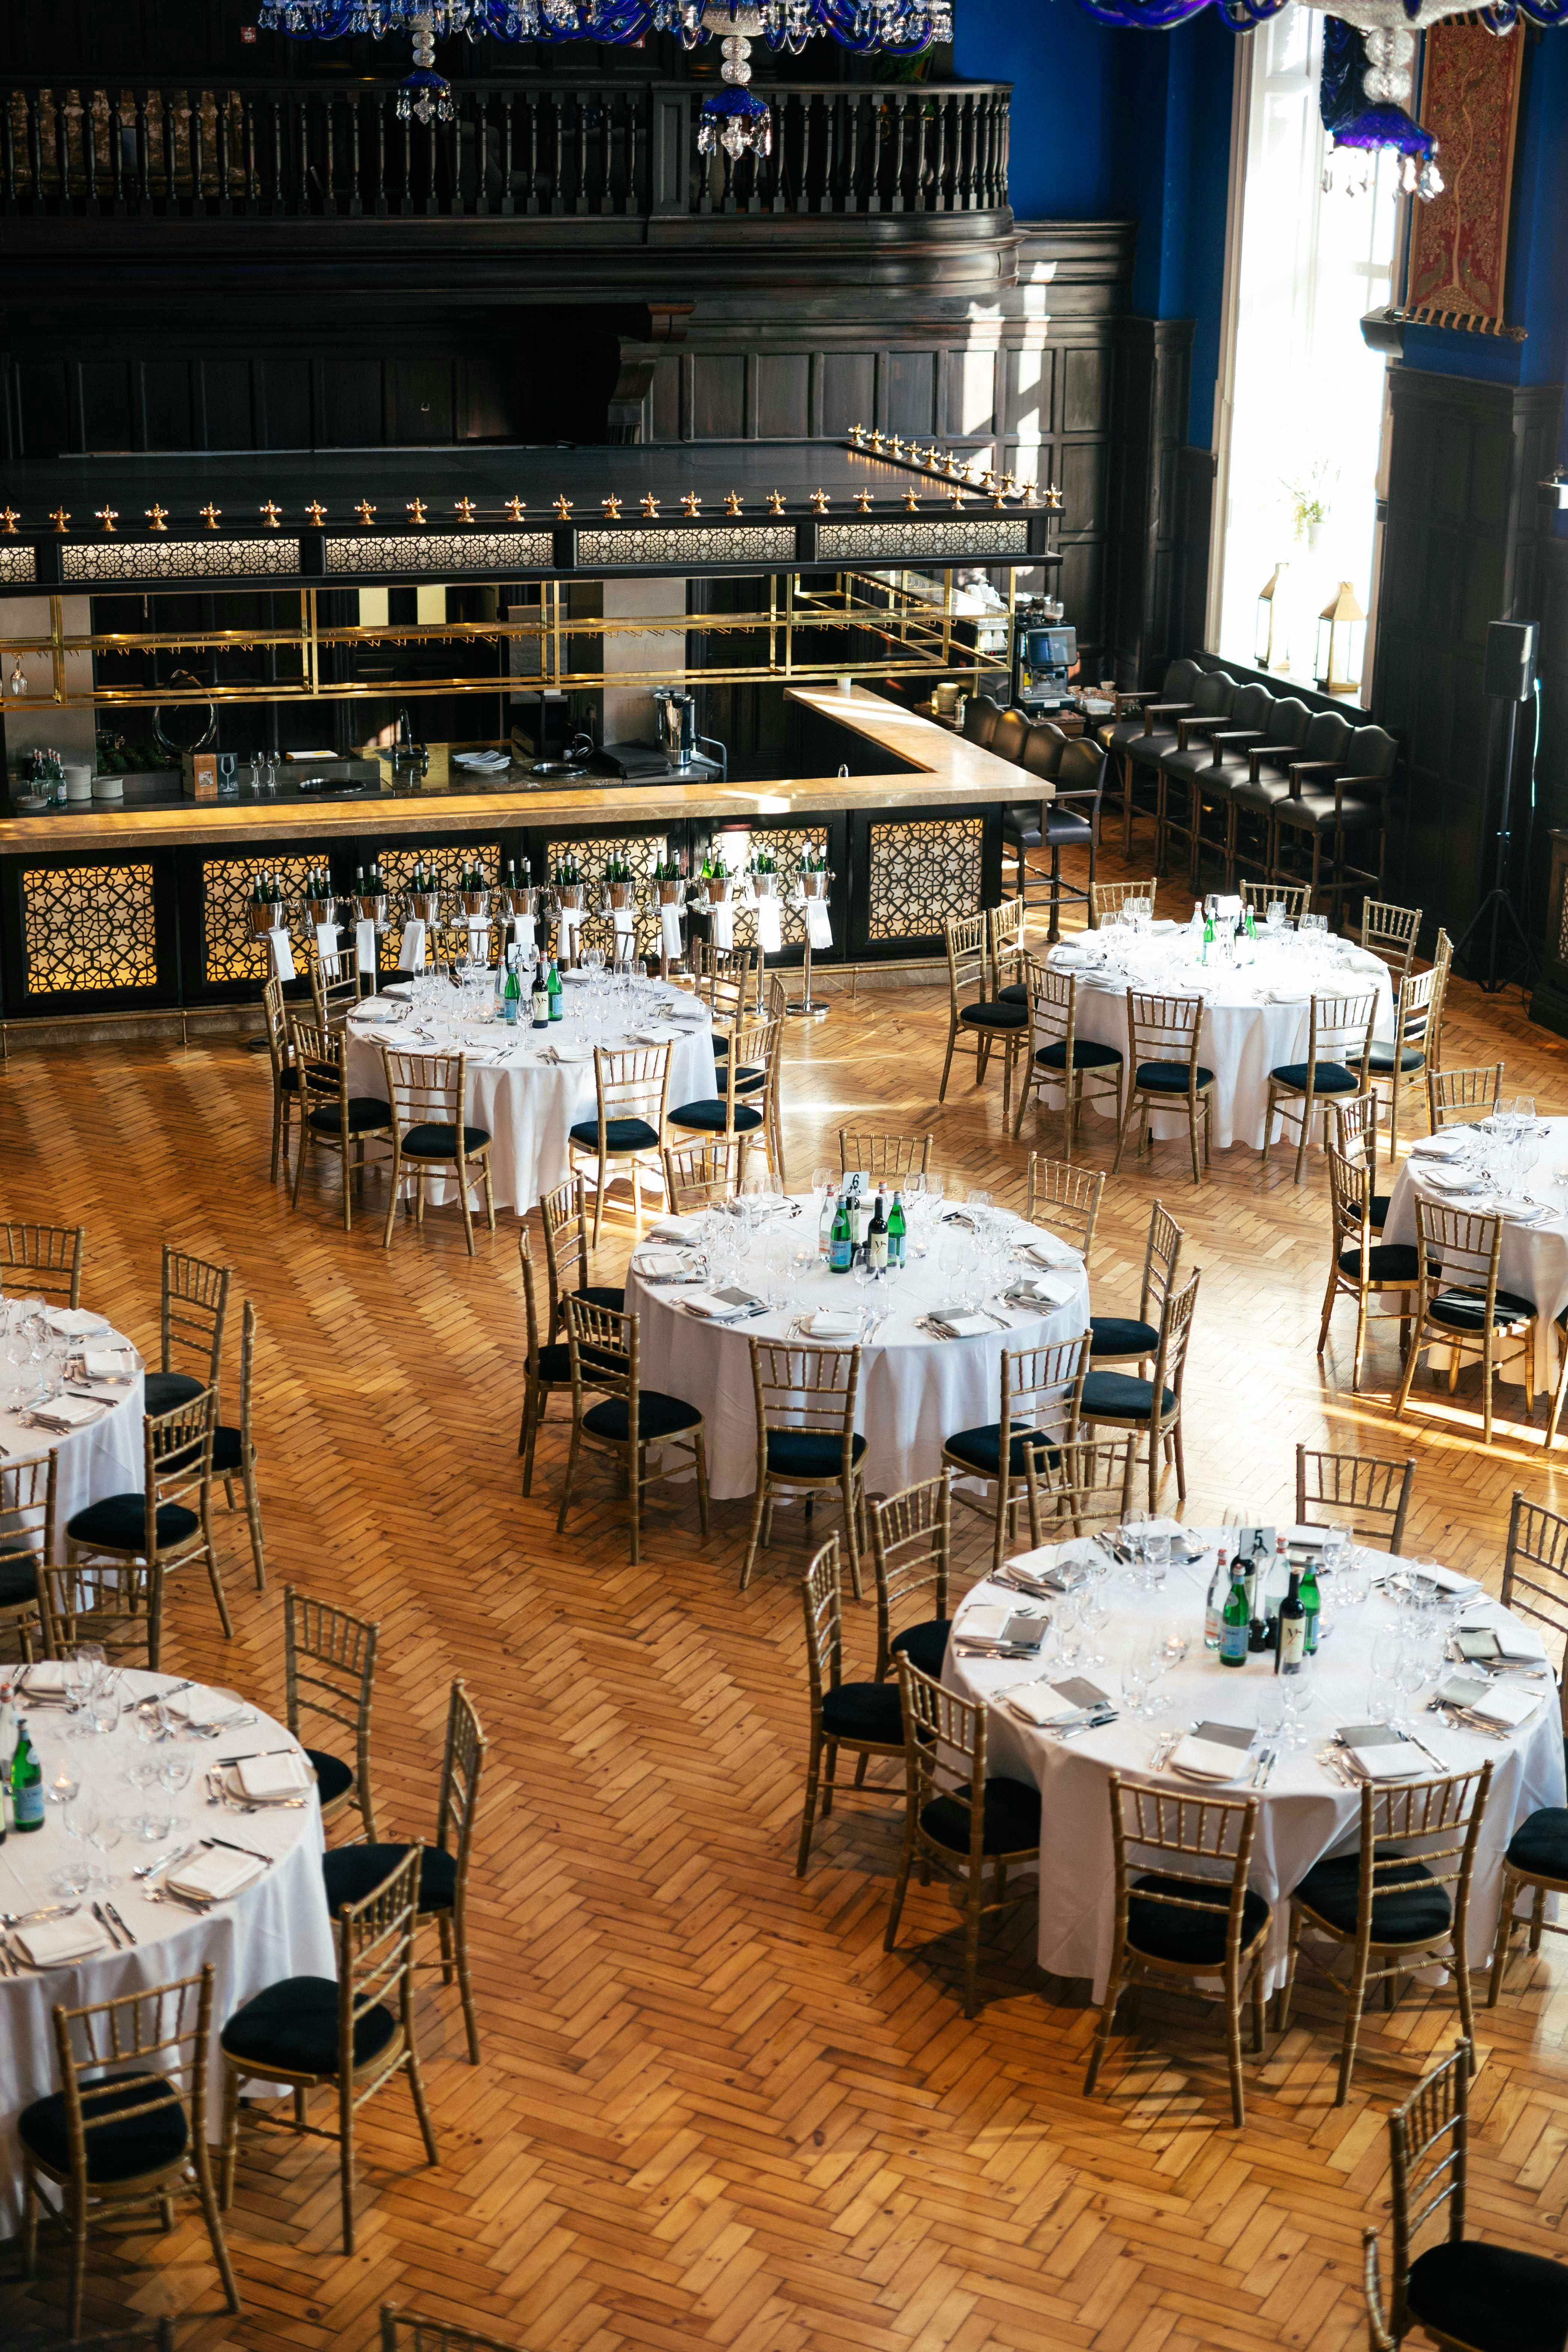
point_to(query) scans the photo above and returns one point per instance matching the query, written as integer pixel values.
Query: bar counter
(114, 908)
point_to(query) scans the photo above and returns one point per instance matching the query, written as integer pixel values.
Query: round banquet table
(276, 1927)
(915, 1390)
(1257, 1010)
(526, 1099)
(104, 1454)
(1305, 1813)
(1534, 1260)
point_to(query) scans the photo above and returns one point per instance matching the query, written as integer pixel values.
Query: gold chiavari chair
(1064, 1199)
(1164, 1034)
(880, 1155)
(1258, 897)
(1459, 1306)
(736, 1115)
(335, 986)
(49, 1256)
(1005, 945)
(353, 1873)
(169, 1524)
(28, 1498)
(700, 1175)
(1065, 1059)
(234, 1449)
(1084, 1481)
(546, 1367)
(1339, 1043)
(1184, 1910)
(1442, 964)
(564, 1218)
(329, 1675)
(1390, 933)
(958, 1818)
(285, 1076)
(626, 1136)
(1133, 1338)
(415, 2331)
(911, 1555)
(984, 1023)
(1108, 899)
(193, 1313)
(352, 2036)
(1355, 1139)
(331, 1118)
(1042, 1396)
(630, 1421)
(778, 997)
(727, 982)
(1400, 1067)
(1401, 1900)
(1120, 1401)
(1535, 1585)
(1464, 2294)
(864, 1717)
(1372, 1489)
(428, 1094)
(128, 2127)
(1360, 1265)
(1460, 1097)
(121, 1607)
(807, 1439)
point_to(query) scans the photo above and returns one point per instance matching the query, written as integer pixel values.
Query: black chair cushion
(1381, 1060)
(553, 1363)
(1122, 1335)
(437, 1139)
(1086, 1054)
(1466, 1310)
(1386, 1261)
(1122, 1396)
(116, 2149)
(1316, 813)
(364, 1113)
(228, 1451)
(620, 1135)
(1491, 2297)
(1380, 1202)
(1169, 1077)
(1014, 994)
(712, 1116)
(1062, 828)
(18, 1580)
(333, 1779)
(604, 1294)
(864, 1711)
(1540, 1845)
(925, 1645)
(350, 1872)
(1021, 823)
(981, 1449)
(288, 1080)
(809, 1452)
(1411, 1911)
(161, 1392)
(1332, 1078)
(748, 1079)
(1195, 1939)
(118, 1522)
(991, 1014)
(293, 2027)
(1010, 1819)
(657, 1416)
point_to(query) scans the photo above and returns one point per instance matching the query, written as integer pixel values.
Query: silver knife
(97, 1914)
(120, 1923)
(254, 1852)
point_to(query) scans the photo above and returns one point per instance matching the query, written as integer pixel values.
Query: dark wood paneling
(848, 389)
(783, 396)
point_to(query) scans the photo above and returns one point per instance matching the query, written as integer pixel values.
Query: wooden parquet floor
(710, 2110)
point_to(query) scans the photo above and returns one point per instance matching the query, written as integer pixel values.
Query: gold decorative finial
(819, 501)
(464, 509)
(998, 495)
(59, 516)
(210, 515)
(956, 495)
(612, 507)
(9, 519)
(1053, 495)
(856, 433)
(417, 510)
(649, 504)
(366, 513)
(910, 502)
(875, 440)
(157, 517)
(514, 508)
(732, 502)
(317, 512)
(863, 501)
(689, 503)
(775, 502)
(269, 511)
(107, 516)
(896, 446)
(564, 506)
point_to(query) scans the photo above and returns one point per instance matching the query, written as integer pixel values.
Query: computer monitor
(1050, 649)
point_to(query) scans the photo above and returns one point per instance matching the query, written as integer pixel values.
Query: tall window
(1306, 419)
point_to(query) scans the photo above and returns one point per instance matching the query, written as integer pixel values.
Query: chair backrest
(883, 1155)
(1176, 1335)
(118, 1603)
(564, 1216)
(1350, 1206)
(1004, 927)
(1371, 757)
(699, 1175)
(375, 1953)
(753, 1045)
(27, 1498)
(334, 986)
(965, 937)
(1535, 1573)
(603, 1350)
(1182, 1841)
(1064, 1199)
(1260, 896)
(162, 2032)
(1428, 2153)
(803, 1388)
(1459, 1098)
(1250, 710)
(414, 2331)
(1370, 1490)
(462, 1769)
(1355, 1128)
(1083, 1480)
(1042, 1388)
(425, 1089)
(322, 1058)
(1390, 932)
(1327, 737)
(329, 1668)
(178, 1454)
(911, 1547)
(823, 1602)
(275, 1022)
(980, 717)
(944, 1753)
(1043, 749)
(1110, 898)
(1442, 964)
(1339, 1031)
(51, 1256)
(1163, 1028)
(1179, 680)
(1457, 1251)
(1214, 692)
(1009, 735)
(1162, 1254)
(1287, 724)
(1053, 1005)
(1081, 768)
(195, 1305)
(778, 997)
(530, 1294)
(1412, 1012)
(633, 1081)
(1439, 1822)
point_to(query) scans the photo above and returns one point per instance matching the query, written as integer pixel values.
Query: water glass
(103, 1836)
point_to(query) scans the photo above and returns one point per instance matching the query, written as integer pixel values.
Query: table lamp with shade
(1342, 632)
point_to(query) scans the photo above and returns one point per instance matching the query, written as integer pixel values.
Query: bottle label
(1292, 1643)
(29, 1804)
(840, 1253)
(1233, 1645)
(1311, 1624)
(877, 1253)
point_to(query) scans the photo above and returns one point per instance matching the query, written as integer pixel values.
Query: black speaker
(1511, 660)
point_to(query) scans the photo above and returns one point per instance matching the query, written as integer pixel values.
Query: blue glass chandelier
(734, 119)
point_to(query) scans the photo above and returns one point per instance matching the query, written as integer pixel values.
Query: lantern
(1269, 635)
(1341, 632)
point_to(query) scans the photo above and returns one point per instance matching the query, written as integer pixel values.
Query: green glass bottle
(1234, 1623)
(512, 994)
(27, 1785)
(841, 1239)
(1208, 933)
(1312, 1605)
(554, 992)
(897, 1229)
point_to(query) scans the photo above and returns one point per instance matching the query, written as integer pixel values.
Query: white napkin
(282, 954)
(327, 940)
(402, 1040)
(721, 918)
(1456, 1180)
(1446, 1580)
(1052, 1289)
(274, 1776)
(75, 1322)
(49, 1943)
(669, 932)
(43, 1676)
(572, 1055)
(479, 935)
(364, 945)
(1209, 1760)
(966, 1327)
(624, 919)
(835, 1323)
(214, 1874)
(1505, 1704)
(68, 1413)
(702, 1302)
(659, 1261)
(1043, 1704)
(523, 933)
(1046, 1250)
(1397, 1760)
(413, 956)
(770, 926)
(818, 930)
(200, 1706)
(677, 1229)
(570, 920)
(383, 1002)
(651, 1036)
(1519, 1644)
(107, 1363)
(1448, 1144)
(983, 1622)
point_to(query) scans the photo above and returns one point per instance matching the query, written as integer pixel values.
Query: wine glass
(103, 1836)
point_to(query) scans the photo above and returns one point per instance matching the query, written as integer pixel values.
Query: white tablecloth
(528, 1104)
(1305, 1814)
(1245, 1033)
(914, 1391)
(277, 1926)
(105, 1457)
(1535, 1261)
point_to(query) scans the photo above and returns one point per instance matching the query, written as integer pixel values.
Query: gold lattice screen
(86, 928)
(921, 873)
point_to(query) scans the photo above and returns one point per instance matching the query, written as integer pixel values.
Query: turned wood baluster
(506, 103)
(481, 152)
(558, 178)
(356, 202)
(220, 102)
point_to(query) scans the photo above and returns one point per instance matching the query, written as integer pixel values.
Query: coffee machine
(675, 718)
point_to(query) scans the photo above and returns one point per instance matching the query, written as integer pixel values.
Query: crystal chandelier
(734, 120)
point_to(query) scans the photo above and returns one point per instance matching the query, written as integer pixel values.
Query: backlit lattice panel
(230, 950)
(448, 867)
(921, 873)
(592, 853)
(785, 844)
(88, 928)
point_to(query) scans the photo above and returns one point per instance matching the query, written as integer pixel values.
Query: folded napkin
(214, 1874)
(677, 1229)
(201, 1706)
(75, 1322)
(963, 1327)
(1523, 1213)
(1448, 1144)
(280, 952)
(50, 1943)
(1398, 1759)
(68, 1413)
(689, 1016)
(833, 1323)
(401, 1040)
(1456, 1180)
(1046, 1250)
(715, 1310)
(1505, 1704)
(1207, 1760)
(650, 1036)
(1050, 1290)
(569, 1057)
(770, 926)
(274, 1776)
(1519, 1644)
(384, 1001)
(658, 1262)
(983, 1622)
(107, 1363)
(46, 1676)
(1039, 1703)
(1446, 1580)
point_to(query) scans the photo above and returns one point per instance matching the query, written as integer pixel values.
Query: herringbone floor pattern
(710, 2110)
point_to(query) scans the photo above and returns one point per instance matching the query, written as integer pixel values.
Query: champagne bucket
(320, 910)
(767, 885)
(370, 908)
(569, 898)
(814, 885)
(424, 905)
(670, 893)
(719, 889)
(473, 902)
(523, 900)
(618, 896)
(266, 917)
